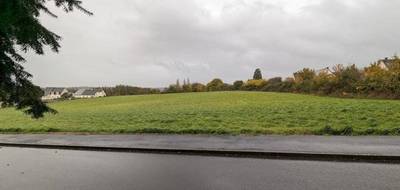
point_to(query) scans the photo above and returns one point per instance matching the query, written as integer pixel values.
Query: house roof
(89, 92)
(49, 90)
(79, 91)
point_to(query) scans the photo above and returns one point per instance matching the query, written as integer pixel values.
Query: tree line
(380, 80)
(123, 90)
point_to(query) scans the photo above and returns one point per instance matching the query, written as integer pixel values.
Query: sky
(152, 43)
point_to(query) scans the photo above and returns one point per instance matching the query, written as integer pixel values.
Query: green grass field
(214, 113)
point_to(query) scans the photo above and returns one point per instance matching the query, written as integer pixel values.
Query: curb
(224, 153)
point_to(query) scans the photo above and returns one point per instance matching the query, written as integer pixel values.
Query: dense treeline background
(380, 79)
(122, 90)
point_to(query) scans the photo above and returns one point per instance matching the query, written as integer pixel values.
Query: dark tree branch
(20, 28)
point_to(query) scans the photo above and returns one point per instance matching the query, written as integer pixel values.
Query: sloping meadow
(214, 113)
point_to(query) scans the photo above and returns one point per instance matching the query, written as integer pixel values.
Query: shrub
(304, 80)
(254, 85)
(273, 84)
(346, 79)
(198, 87)
(215, 85)
(237, 85)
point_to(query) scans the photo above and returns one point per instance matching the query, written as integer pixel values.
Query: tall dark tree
(20, 29)
(257, 74)
(186, 87)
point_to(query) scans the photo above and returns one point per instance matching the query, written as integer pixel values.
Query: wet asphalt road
(370, 145)
(26, 168)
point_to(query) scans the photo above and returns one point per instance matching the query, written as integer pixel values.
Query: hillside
(214, 113)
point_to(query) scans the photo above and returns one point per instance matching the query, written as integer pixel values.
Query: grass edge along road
(214, 113)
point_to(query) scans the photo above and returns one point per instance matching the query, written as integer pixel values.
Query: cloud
(154, 42)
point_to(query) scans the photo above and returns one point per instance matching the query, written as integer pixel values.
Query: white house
(89, 93)
(385, 63)
(53, 93)
(324, 70)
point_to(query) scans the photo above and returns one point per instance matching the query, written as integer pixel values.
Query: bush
(273, 84)
(253, 85)
(304, 80)
(346, 79)
(227, 87)
(215, 85)
(198, 87)
(66, 96)
(237, 85)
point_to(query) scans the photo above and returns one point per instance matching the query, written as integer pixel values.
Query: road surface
(28, 168)
(354, 145)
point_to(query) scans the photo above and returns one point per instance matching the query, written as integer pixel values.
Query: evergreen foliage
(257, 74)
(20, 29)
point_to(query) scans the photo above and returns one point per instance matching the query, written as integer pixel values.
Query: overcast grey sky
(153, 42)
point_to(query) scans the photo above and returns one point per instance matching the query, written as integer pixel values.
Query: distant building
(324, 70)
(89, 93)
(162, 89)
(53, 93)
(385, 63)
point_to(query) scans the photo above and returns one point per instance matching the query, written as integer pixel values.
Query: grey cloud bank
(154, 42)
